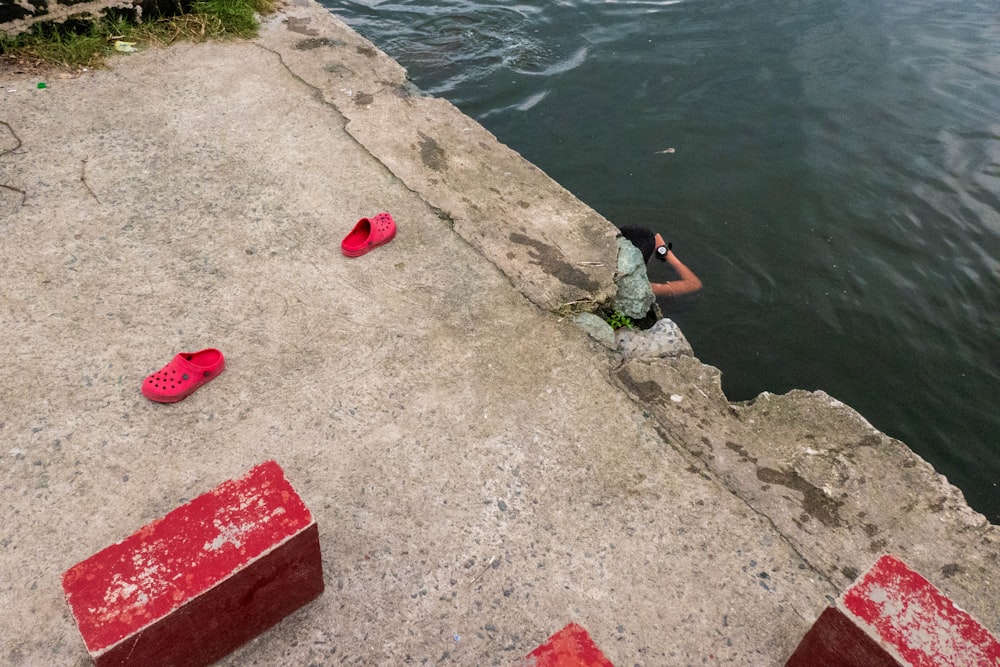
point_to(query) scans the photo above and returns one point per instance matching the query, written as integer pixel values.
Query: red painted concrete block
(570, 647)
(835, 640)
(892, 617)
(192, 586)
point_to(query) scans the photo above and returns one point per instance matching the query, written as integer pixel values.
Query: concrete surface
(482, 472)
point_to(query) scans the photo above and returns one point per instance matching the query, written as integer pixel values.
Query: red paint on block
(570, 647)
(835, 639)
(916, 619)
(894, 616)
(192, 586)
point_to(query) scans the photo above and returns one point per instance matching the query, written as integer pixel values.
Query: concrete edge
(840, 491)
(561, 254)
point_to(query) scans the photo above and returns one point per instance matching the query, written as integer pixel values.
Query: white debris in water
(531, 101)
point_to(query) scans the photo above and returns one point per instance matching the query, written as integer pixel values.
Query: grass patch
(76, 44)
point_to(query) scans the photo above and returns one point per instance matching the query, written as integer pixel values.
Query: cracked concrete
(481, 471)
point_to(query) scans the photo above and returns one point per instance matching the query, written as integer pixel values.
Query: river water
(831, 170)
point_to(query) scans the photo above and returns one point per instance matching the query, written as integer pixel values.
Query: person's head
(649, 243)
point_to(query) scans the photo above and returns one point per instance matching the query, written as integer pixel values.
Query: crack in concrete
(319, 96)
(673, 440)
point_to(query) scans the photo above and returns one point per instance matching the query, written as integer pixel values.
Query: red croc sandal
(367, 234)
(183, 375)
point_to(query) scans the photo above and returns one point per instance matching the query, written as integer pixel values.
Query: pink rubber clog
(369, 233)
(183, 375)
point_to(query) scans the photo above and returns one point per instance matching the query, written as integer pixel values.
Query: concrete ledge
(838, 489)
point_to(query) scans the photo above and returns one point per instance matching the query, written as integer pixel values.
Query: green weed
(58, 44)
(619, 320)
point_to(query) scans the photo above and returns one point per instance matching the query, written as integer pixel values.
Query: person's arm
(688, 284)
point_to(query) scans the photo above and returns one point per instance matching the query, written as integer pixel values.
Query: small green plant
(231, 18)
(66, 44)
(77, 44)
(619, 320)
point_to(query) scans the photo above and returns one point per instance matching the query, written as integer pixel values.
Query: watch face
(661, 252)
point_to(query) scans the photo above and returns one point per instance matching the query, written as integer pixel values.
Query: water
(834, 180)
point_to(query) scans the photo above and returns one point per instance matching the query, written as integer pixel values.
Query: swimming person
(649, 244)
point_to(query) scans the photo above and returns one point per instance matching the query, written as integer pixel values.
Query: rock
(635, 296)
(663, 339)
(598, 329)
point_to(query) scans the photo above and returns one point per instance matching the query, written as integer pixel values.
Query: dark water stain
(310, 44)
(870, 441)
(367, 51)
(877, 546)
(647, 391)
(339, 69)
(301, 26)
(814, 501)
(553, 262)
(850, 573)
(363, 99)
(739, 449)
(432, 154)
(950, 570)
